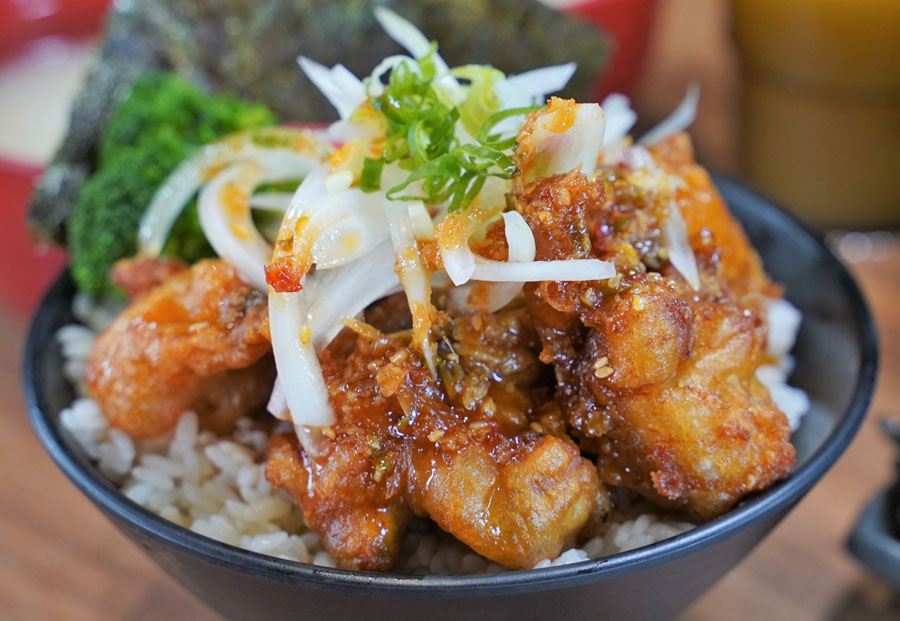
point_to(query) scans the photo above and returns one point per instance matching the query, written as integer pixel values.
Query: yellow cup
(821, 107)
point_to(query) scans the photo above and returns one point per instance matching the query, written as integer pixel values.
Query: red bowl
(24, 21)
(28, 268)
(628, 22)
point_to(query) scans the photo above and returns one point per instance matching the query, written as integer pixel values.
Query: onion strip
(341, 88)
(536, 271)
(409, 37)
(344, 292)
(620, 118)
(679, 120)
(489, 296)
(681, 255)
(224, 209)
(414, 278)
(302, 383)
(305, 150)
(577, 147)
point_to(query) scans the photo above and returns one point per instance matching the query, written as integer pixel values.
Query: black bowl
(836, 364)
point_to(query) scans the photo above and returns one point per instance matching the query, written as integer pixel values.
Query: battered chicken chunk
(140, 275)
(403, 445)
(658, 379)
(199, 340)
(692, 428)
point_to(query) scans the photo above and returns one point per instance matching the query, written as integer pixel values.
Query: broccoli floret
(162, 121)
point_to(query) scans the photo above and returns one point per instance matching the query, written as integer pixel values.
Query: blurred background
(801, 99)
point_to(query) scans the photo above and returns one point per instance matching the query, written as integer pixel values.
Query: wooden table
(59, 558)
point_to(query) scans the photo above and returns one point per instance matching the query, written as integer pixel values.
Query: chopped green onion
(370, 179)
(422, 135)
(496, 141)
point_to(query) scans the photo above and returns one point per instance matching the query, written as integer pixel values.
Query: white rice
(216, 485)
(784, 322)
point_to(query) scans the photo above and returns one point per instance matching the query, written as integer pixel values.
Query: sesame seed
(435, 435)
(601, 368)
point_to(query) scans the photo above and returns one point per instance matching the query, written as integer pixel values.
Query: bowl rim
(777, 499)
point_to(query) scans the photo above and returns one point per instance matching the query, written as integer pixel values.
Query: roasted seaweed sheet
(249, 48)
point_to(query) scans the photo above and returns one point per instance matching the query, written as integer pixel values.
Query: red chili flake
(284, 275)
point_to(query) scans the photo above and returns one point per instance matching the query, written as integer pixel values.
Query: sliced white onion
(417, 44)
(530, 88)
(311, 438)
(170, 199)
(341, 88)
(533, 86)
(491, 297)
(339, 181)
(459, 263)
(343, 226)
(679, 120)
(351, 224)
(577, 147)
(345, 131)
(519, 238)
(422, 225)
(344, 292)
(681, 255)
(277, 405)
(457, 258)
(229, 227)
(536, 271)
(620, 118)
(316, 315)
(299, 371)
(303, 320)
(413, 276)
(408, 36)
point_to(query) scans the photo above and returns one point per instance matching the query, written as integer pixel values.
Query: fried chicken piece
(199, 340)
(658, 380)
(556, 209)
(692, 428)
(360, 520)
(139, 275)
(402, 446)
